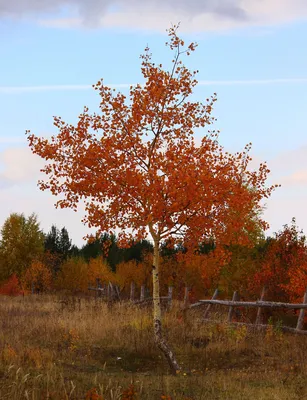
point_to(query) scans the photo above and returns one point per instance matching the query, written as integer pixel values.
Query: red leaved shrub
(11, 287)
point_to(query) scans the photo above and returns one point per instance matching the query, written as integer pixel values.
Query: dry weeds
(52, 350)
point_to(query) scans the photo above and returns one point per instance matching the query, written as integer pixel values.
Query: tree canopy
(22, 241)
(137, 164)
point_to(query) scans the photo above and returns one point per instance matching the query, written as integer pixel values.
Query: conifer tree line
(34, 261)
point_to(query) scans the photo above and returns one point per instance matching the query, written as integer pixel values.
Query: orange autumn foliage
(77, 275)
(139, 168)
(73, 276)
(213, 264)
(130, 393)
(127, 272)
(37, 277)
(283, 269)
(11, 287)
(199, 272)
(99, 269)
(297, 284)
(92, 394)
(138, 272)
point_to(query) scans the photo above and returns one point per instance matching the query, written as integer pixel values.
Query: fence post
(108, 292)
(112, 291)
(142, 293)
(186, 297)
(231, 308)
(105, 291)
(170, 296)
(215, 294)
(132, 291)
(300, 321)
(117, 292)
(259, 310)
(99, 286)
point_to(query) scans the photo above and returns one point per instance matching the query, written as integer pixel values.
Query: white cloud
(19, 173)
(195, 15)
(290, 162)
(18, 165)
(289, 168)
(298, 178)
(282, 207)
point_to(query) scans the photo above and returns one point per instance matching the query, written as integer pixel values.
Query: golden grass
(48, 351)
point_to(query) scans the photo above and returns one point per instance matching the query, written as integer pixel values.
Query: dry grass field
(52, 350)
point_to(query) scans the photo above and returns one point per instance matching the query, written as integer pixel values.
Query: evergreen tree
(57, 248)
(74, 251)
(115, 254)
(52, 240)
(64, 243)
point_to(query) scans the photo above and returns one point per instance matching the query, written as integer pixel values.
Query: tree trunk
(159, 339)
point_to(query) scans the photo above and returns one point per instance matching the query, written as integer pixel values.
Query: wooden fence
(111, 293)
(260, 304)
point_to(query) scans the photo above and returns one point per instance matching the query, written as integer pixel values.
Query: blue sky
(252, 53)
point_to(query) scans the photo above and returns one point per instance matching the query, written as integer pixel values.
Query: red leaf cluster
(283, 269)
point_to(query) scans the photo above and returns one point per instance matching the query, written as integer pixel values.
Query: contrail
(253, 81)
(47, 88)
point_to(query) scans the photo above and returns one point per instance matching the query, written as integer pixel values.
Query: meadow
(55, 349)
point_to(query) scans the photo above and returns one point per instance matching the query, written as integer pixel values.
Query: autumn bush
(73, 275)
(99, 269)
(138, 272)
(36, 278)
(283, 266)
(11, 287)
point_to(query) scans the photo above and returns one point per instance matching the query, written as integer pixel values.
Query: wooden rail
(262, 304)
(259, 305)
